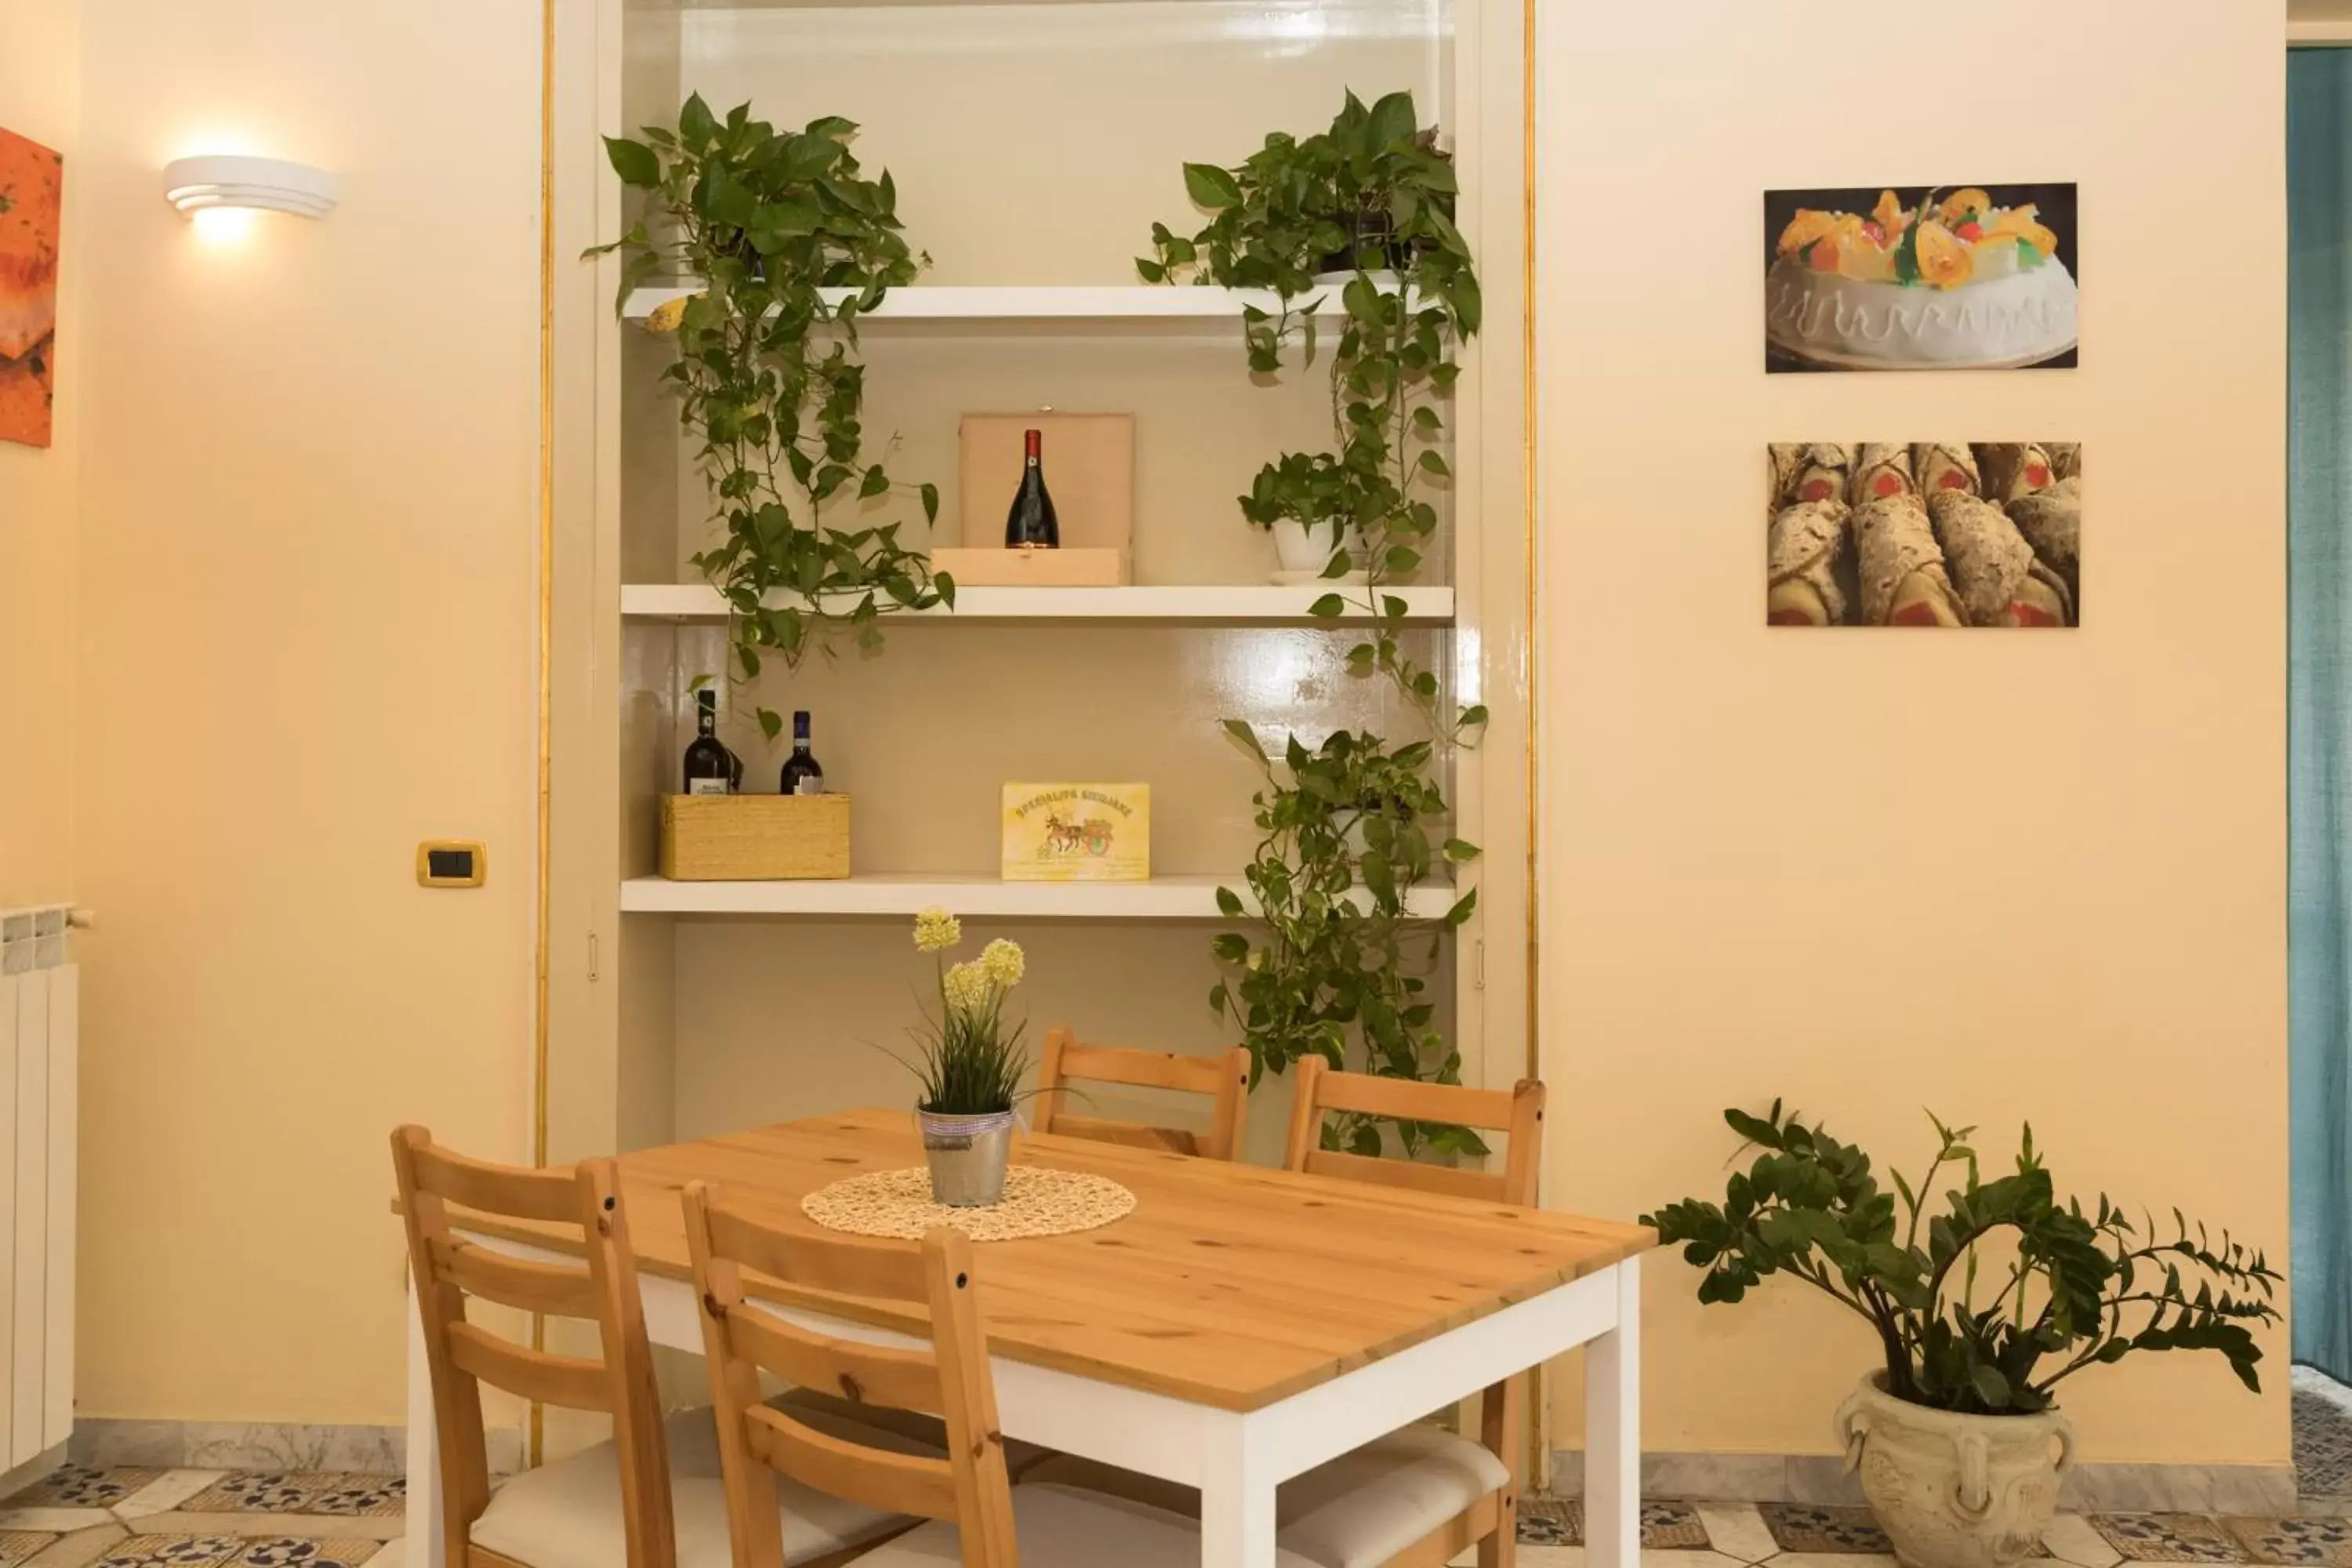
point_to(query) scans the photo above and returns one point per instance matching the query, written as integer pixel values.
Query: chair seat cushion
(1357, 1512)
(568, 1514)
(1066, 1527)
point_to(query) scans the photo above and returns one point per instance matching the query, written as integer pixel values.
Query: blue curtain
(2319, 682)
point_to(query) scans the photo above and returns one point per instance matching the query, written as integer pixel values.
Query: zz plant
(767, 376)
(1348, 827)
(1963, 1326)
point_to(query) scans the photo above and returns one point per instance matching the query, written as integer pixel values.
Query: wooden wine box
(754, 837)
(1089, 463)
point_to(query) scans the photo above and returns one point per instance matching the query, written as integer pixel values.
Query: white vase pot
(1955, 1491)
(1304, 552)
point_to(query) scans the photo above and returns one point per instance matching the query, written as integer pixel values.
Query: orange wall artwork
(32, 188)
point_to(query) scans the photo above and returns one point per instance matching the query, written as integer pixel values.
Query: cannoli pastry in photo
(2012, 469)
(1901, 567)
(2052, 522)
(1805, 567)
(2000, 581)
(1883, 468)
(1813, 470)
(1944, 467)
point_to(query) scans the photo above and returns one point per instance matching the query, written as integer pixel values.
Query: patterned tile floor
(81, 1518)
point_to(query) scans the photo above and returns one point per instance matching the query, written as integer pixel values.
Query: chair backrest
(1518, 1112)
(437, 1189)
(951, 1380)
(1224, 1078)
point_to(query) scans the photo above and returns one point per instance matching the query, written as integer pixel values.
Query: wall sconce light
(267, 184)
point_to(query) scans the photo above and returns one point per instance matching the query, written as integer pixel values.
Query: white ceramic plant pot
(1303, 552)
(1955, 1491)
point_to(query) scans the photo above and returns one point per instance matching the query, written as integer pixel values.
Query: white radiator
(40, 1010)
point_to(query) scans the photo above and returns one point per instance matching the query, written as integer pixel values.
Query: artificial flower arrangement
(969, 1063)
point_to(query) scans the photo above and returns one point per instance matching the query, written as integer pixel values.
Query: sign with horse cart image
(1077, 833)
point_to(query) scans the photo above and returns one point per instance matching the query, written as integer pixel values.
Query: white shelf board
(1042, 302)
(1240, 605)
(974, 896)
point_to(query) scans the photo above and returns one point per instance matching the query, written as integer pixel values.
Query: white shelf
(1134, 303)
(1244, 606)
(976, 897)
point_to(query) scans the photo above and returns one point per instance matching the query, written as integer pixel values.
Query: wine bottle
(802, 776)
(710, 767)
(1030, 524)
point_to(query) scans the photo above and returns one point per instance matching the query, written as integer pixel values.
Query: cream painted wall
(308, 591)
(2008, 877)
(40, 97)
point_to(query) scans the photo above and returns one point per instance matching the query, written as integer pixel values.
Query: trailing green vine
(790, 244)
(1348, 827)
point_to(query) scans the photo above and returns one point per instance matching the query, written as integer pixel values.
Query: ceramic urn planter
(1955, 1491)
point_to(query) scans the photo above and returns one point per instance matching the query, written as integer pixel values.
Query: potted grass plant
(968, 1064)
(1980, 1310)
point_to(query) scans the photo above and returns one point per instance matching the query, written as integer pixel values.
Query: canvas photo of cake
(1925, 534)
(1919, 278)
(32, 185)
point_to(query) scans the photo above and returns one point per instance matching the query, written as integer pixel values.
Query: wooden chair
(650, 1497)
(1418, 1498)
(976, 1513)
(1223, 1077)
(462, 1355)
(1490, 1519)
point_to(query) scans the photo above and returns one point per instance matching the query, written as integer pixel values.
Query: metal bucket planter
(967, 1155)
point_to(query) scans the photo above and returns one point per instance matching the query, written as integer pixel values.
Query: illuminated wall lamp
(267, 184)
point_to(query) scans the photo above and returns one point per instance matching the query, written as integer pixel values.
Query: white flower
(935, 931)
(1004, 962)
(965, 986)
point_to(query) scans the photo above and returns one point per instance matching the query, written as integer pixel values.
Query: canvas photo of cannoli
(1923, 534)
(1921, 277)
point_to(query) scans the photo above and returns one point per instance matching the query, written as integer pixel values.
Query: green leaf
(1327, 607)
(771, 724)
(1393, 122)
(1151, 272)
(695, 129)
(1240, 730)
(875, 483)
(633, 162)
(930, 494)
(1211, 188)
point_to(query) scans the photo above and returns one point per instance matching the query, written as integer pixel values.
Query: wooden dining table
(1240, 1326)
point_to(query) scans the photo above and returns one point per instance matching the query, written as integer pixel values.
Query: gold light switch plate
(451, 863)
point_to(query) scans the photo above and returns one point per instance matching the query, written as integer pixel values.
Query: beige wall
(307, 611)
(40, 97)
(2008, 877)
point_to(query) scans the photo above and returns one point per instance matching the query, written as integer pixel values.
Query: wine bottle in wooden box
(1077, 833)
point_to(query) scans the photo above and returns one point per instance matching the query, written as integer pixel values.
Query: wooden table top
(1229, 1285)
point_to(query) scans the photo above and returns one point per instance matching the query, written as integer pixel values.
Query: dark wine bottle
(802, 776)
(710, 767)
(1030, 524)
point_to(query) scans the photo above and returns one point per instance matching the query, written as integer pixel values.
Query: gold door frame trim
(536, 1438)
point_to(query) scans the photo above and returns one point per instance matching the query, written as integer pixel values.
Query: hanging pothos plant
(1365, 208)
(788, 245)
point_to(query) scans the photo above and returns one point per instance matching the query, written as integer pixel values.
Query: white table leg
(425, 1542)
(1236, 1498)
(1612, 1432)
